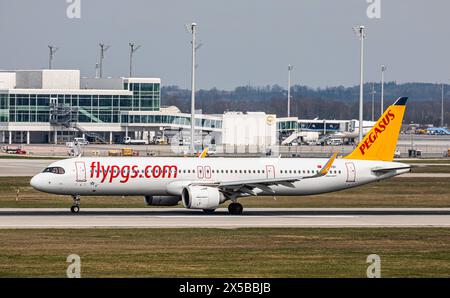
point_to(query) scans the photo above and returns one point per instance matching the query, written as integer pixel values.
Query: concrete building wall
(27, 79)
(60, 79)
(7, 80)
(48, 79)
(257, 129)
(102, 83)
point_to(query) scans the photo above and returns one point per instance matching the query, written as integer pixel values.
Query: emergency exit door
(351, 172)
(270, 171)
(81, 171)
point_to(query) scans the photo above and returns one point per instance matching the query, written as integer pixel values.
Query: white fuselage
(169, 175)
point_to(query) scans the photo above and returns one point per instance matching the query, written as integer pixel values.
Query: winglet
(203, 154)
(401, 101)
(328, 165)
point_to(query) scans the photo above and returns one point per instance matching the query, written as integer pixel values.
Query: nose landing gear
(76, 204)
(235, 208)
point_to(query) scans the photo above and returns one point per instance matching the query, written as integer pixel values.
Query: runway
(17, 167)
(27, 218)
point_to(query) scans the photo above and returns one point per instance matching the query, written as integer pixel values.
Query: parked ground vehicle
(130, 141)
(81, 141)
(335, 142)
(158, 140)
(14, 150)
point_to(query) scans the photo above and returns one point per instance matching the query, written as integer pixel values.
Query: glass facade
(170, 119)
(320, 126)
(4, 111)
(29, 107)
(287, 125)
(146, 96)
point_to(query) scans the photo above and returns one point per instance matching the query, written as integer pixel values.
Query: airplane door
(81, 171)
(207, 172)
(270, 170)
(351, 172)
(200, 173)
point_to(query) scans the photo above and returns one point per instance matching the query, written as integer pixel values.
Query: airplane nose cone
(36, 182)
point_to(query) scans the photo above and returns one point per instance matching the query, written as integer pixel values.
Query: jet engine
(202, 197)
(162, 200)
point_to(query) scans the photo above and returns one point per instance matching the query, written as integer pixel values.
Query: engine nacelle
(201, 197)
(162, 200)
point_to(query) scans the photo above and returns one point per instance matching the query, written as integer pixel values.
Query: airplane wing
(246, 187)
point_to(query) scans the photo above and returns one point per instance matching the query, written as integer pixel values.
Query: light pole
(290, 67)
(360, 32)
(373, 101)
(133, 49)
(192, 29)
(103, 49)
(52, 51)
(383, 69)
(442, 106)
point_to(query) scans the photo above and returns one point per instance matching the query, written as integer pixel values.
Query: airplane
(205, 183)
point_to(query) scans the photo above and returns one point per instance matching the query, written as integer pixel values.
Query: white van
(81, 141)
(335, 142)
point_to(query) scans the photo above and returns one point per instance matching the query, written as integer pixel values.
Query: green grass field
(281, 252)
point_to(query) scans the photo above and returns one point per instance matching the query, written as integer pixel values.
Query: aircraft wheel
(235, 208)
(75, 209)
(209, 211)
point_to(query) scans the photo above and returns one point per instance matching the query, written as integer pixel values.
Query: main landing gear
(235, 208)
(76, 204)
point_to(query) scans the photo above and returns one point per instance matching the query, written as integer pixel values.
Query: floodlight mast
(442, 106)
(290, 67)
(383, 69)
(373, 101)
(133, 49)
(52, 51)
(192, 28)
(360, 31)
(103, 49)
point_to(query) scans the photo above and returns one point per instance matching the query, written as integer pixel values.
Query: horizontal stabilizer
(385, 170)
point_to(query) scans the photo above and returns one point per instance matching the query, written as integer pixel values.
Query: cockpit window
(54, 170)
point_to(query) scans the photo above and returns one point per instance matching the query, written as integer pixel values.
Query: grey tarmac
(33, 218)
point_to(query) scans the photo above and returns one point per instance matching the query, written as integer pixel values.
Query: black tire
(235, 208)
(209, 211)
(74, 209)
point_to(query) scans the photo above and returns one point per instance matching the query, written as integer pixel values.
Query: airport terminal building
(46, 106)
(54, 106)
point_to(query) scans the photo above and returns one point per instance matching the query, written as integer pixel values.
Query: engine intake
(201, 197)
(162, 200)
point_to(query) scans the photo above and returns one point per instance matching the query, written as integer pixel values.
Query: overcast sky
(244, 41)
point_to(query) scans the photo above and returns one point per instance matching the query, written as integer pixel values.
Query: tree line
(424, 105)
